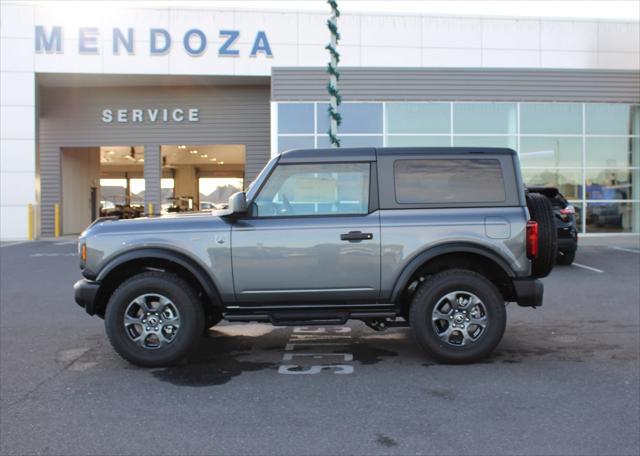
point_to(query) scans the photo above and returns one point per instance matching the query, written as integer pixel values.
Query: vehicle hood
(199, 221)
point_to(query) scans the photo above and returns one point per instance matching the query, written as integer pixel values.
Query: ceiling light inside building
(193, 151)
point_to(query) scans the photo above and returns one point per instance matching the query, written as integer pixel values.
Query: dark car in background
(565, 219)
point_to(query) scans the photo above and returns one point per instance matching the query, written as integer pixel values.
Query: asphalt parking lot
(564, 380)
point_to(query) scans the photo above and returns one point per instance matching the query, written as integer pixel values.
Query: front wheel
(458, 316)
(153, 319)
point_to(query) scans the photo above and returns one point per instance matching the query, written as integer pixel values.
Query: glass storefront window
(295, 118)
(485, 118)
(351, 141)
(418, 141)
(295, 142)
(568, 181)
(589, 151)
(611, 184)
(551, 118)
(418, 118)
(610, 152)
(356, 118)
(485, 141)
(612, 217)
(551, 151)
(611, 119)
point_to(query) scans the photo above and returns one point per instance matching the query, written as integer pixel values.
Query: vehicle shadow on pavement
(216, 360)
(220, 357)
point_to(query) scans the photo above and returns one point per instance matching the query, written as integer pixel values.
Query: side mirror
(238, 203)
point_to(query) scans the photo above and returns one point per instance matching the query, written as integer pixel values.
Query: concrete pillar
(152, 177)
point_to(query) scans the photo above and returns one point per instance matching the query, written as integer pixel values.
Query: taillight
(532, 239)
(569, 210)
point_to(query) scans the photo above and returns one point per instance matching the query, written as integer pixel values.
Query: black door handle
(355, 236)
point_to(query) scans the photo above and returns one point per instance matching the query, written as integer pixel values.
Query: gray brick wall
(459, 84)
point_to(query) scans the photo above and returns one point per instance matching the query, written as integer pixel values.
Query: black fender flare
(430, 253)
(181, 259)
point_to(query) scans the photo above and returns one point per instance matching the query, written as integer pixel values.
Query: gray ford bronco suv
(438, 239)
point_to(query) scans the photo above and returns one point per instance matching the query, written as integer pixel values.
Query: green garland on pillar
(334, 74)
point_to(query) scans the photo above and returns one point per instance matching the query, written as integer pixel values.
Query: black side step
(308, 318)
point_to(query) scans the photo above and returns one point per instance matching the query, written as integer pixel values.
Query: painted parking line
(624, 249)
(589, 268)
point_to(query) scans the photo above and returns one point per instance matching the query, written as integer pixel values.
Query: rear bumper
(567, 244)
(85, 292)
(529, 292)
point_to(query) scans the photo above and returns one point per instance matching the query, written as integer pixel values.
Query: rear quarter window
(442, 181)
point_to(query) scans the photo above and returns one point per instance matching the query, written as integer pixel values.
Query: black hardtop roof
(370, 153)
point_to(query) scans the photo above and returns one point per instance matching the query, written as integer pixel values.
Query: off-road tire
(428, 295)
(192, 318)
(541, 211)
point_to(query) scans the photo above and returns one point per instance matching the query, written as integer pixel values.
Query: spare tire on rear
(541, 211)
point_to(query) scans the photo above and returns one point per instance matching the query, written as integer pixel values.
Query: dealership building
(172, 109)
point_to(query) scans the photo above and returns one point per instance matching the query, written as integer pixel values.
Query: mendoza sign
(194, 41)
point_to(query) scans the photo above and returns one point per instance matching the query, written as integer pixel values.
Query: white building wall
(296, 39)
(17, 120)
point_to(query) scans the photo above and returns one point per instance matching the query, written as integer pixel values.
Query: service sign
(150, 115)
(50, 40)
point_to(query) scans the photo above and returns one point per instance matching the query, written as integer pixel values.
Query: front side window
(315, 189)
(454, 181)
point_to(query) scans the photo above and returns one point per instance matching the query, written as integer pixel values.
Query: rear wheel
(541, 211)
(458, 316)
(153, 319)
(565, 258)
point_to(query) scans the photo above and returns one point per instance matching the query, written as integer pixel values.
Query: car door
(313, 235)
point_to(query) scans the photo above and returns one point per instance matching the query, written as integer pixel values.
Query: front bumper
(529, 292)
(85, 294)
